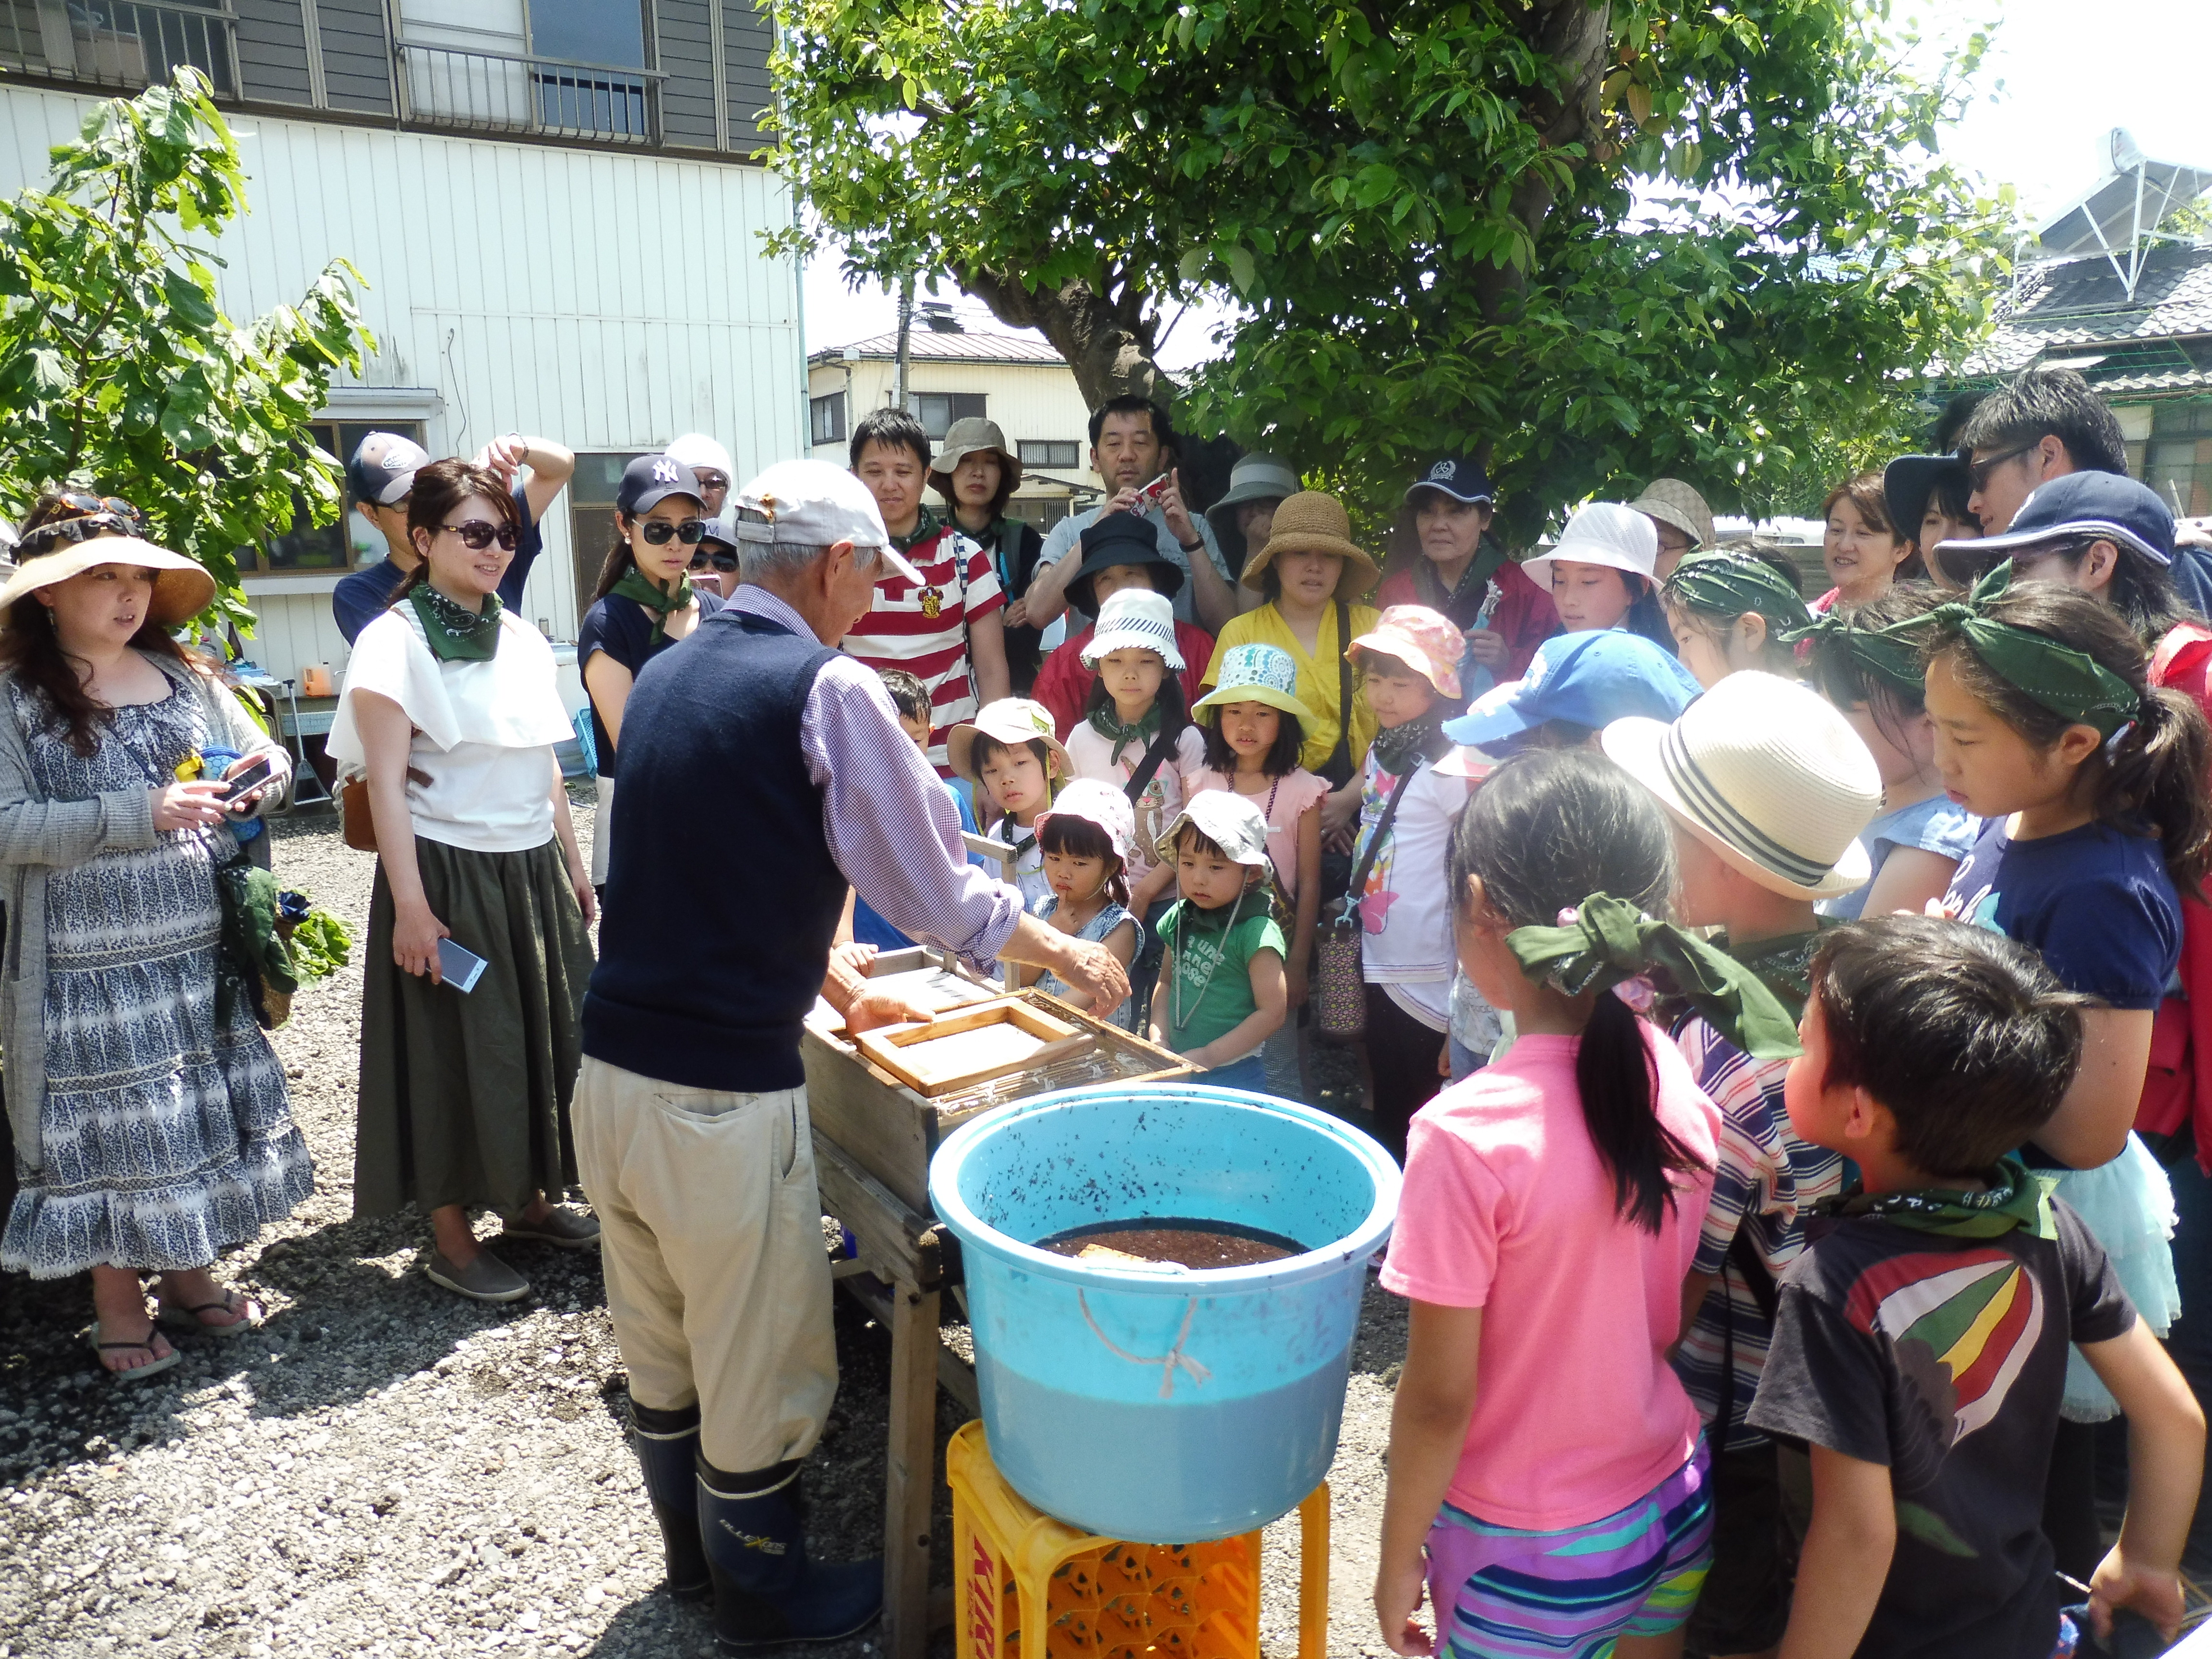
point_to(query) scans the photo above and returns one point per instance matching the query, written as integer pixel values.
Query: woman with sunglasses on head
(451, 711)
(148, 1113)
(645, 603)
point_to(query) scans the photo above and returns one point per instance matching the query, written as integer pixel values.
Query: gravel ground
(385, 1469)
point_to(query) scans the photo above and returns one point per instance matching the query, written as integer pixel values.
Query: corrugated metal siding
(748, 36)
(534, 288)
(687, 54)
(357, 58)
(272, 51)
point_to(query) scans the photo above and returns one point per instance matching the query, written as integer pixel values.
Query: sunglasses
(47, 536)
(724, 562)
(476, 535)
(114, 504)
(1978, 472)
(658, 531)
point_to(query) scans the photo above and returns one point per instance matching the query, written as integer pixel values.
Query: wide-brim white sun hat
(182, 587)
(1135, 616)
(1768, 774)
(1603, 533)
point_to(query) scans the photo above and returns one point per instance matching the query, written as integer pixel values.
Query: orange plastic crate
(1028, 1587)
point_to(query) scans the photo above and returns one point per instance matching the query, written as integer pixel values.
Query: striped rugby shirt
(924, 630)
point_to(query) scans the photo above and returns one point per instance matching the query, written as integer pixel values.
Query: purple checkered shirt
(887, 820)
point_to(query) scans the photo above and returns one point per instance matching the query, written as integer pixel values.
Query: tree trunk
(1108, 345)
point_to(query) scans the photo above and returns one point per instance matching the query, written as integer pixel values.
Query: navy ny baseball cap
(2104, 507)
(649, 479)
(382, 470)
(1457, 477)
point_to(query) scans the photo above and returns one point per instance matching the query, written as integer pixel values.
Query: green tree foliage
(1594, 243)
(119, 372)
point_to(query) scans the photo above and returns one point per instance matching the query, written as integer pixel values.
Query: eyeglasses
(724, 562)
(476, 535)
(709, 479)
(1978, 472)
(658, 531)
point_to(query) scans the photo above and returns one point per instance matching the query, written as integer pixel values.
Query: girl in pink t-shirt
(1547, 1472)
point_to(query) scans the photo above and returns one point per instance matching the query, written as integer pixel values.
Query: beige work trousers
(710, 1236)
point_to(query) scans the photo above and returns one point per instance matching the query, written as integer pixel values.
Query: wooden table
(872, 1141)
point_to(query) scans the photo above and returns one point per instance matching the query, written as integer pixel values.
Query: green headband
(2070, 683)
(1895, 661)
(1605, 941)
(1729, 584)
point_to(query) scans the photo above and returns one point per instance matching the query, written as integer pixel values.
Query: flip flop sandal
(135, 1373)
(170, 1317)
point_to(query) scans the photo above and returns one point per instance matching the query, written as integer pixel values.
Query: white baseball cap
(814, 504)
(1603, 533)
(696, 449)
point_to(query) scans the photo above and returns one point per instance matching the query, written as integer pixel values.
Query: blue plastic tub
(1171, 1404)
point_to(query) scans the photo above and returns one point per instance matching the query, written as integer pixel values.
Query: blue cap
(2103, 506)
(1459, 477)
(650, 479)
(1592, 679)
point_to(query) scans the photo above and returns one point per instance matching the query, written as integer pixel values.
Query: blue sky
(2061, 74)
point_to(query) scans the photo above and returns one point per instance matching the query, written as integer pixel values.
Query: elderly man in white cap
(709, 463)
(690, 1112)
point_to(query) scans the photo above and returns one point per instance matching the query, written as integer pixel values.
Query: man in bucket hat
(690, 1112)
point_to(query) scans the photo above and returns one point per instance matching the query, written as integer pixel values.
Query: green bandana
(2016, 1197)
(2070, 683)
(1784, 965)
(925, 524)
(1729, 584)
(636, 586)
(1110, 726)
(1606, 941)
(456, 635)
(1880, 653)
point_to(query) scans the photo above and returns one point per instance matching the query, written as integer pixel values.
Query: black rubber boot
(667, 1444)
(767, 1592)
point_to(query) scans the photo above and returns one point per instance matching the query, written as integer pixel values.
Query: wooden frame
(896, 1047)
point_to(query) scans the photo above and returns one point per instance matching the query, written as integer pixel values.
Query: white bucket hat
(1010, 720)
(1097, 803)
(1135, 616)
(1768, 774)
(1228, 820)
(1603, 533)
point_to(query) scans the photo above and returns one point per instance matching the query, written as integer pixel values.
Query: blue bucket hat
(1592, 679)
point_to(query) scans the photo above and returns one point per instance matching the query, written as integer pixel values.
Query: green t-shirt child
(1211, 991)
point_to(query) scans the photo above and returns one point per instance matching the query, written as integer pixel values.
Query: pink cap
(1424, 640)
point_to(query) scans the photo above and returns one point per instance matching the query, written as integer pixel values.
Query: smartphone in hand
(251, 778)
(458, 966)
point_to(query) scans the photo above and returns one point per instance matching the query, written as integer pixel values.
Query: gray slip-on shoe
(487, 1279)
(565, 1229)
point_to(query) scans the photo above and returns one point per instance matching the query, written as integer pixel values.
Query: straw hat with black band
(1765, 773)
(1312, 521)
(182, 589)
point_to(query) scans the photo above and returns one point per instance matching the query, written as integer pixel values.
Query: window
(591, 517)
(826, 416)
(588, 32)
(350, 541)
(2178, 462)
(937, 410)
(1034, 453)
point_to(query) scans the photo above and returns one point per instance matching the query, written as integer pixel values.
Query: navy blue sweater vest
(705, 974)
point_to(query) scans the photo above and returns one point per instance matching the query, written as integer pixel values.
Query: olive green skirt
(465, 1096)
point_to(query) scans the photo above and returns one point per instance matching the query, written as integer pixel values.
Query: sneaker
(569, 1229)
(487, 1279)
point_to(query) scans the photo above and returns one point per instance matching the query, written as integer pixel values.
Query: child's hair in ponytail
(1073, 838)
(1547, 829)
(2153, 773)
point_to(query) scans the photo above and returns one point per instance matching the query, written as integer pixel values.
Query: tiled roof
(2078, 308)
(926, 345)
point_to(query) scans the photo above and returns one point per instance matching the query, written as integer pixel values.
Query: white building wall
(606, 300)
(1031, 402)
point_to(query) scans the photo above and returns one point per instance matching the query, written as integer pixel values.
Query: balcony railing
(125, 44)
(509, 92)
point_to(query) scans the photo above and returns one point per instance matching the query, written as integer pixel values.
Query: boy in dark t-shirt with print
(1920, 1347)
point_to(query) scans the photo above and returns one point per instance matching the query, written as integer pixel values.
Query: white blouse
(485, 731)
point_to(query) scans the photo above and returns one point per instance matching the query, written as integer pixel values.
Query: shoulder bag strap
(1337, 768)
(1375, 843)
(1162, 744)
